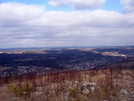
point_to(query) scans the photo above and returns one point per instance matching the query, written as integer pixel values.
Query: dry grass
(111, 85)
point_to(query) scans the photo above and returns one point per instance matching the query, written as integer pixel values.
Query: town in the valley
(14, 62)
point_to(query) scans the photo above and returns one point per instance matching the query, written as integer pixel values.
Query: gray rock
(37, 93)
(123, 91)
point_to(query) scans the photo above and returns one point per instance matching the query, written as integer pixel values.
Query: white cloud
(30, 26)
(14, 13)
(78, 4)
(128, 5)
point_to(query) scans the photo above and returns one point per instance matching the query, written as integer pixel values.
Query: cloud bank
(78, 4)
(128, 5)
(24, 25)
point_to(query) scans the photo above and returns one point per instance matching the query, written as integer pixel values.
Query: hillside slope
(71, 85)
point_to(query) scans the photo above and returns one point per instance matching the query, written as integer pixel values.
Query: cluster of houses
(90, 64)
(21, 70)
(74, 63)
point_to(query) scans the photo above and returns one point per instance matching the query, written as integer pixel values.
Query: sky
(66, 23)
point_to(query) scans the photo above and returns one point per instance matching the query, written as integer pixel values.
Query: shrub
(21, 90)
(73, 92)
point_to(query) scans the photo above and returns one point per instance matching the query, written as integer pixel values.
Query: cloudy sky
(61, 23)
